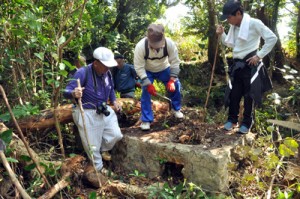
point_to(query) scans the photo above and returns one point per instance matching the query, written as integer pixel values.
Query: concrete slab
(207, 167)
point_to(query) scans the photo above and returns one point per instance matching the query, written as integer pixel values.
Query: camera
(102, 108)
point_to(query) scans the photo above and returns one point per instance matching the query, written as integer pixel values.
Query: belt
(75, 105)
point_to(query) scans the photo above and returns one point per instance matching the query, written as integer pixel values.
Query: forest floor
(192, 130)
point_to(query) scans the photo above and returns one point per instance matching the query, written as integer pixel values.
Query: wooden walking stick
(85, 133)
(211, 77)
(213, 69)
(23, 137)
(11, 174)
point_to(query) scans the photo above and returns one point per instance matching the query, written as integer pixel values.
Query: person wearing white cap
(248, 76)
(101, 122)
(156, 57)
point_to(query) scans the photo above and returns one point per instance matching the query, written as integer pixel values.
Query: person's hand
(117, 106)
(253, 60)
(151, 89)
(77, 92)
(220, 29)
(171, 85)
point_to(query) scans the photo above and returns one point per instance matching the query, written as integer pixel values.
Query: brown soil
(190, 130)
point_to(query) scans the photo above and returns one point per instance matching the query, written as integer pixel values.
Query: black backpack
(147, 51)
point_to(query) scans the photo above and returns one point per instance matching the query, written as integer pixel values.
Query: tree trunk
(212, 38)
(298, 33)
(276, 58)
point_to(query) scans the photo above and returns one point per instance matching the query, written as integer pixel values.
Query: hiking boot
(228, 126)
(106, 156)
(145, 126)
(178, 114)
(244, 129)
(92, 177)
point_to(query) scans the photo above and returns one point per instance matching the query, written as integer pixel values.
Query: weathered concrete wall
(201, 166)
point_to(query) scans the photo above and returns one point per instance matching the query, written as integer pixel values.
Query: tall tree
(268, 13)
(212, 38)
(297, 31)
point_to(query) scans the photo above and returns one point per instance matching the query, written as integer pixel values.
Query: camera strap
(94, 80)
(95, 84)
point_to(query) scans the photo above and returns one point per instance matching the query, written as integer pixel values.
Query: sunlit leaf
(249, 177)
(62, 66)
(270, 129)
(291, 143)
(9, 159)
(40, 55)
(285, 151)
(61, 40)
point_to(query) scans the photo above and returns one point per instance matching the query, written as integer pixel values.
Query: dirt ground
(190, 130)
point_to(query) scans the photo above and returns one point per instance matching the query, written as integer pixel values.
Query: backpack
(147, 51)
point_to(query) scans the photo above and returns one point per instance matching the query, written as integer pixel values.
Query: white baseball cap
(106, 56)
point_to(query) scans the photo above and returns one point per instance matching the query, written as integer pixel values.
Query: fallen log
(46, 119)
(114, 187)
(126, 190)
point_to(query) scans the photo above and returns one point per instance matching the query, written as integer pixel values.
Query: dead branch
(69, 168)
(22, 135)
(11, 174)
(273, 178)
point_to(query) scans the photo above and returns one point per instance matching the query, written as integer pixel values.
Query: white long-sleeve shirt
(157, 65)
(257, 30)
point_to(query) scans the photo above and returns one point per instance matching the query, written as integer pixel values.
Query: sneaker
(178, 114)
(243, 130)
(145, 126)
(228, 126)
(106, 156)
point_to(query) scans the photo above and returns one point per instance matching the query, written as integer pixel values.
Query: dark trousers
(241, 88)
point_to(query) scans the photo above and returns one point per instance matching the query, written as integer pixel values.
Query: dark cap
(230, 7)
(156, 35)
(119, 56)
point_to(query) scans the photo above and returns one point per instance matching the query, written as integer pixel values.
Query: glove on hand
(151, 89)
(171, 85)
